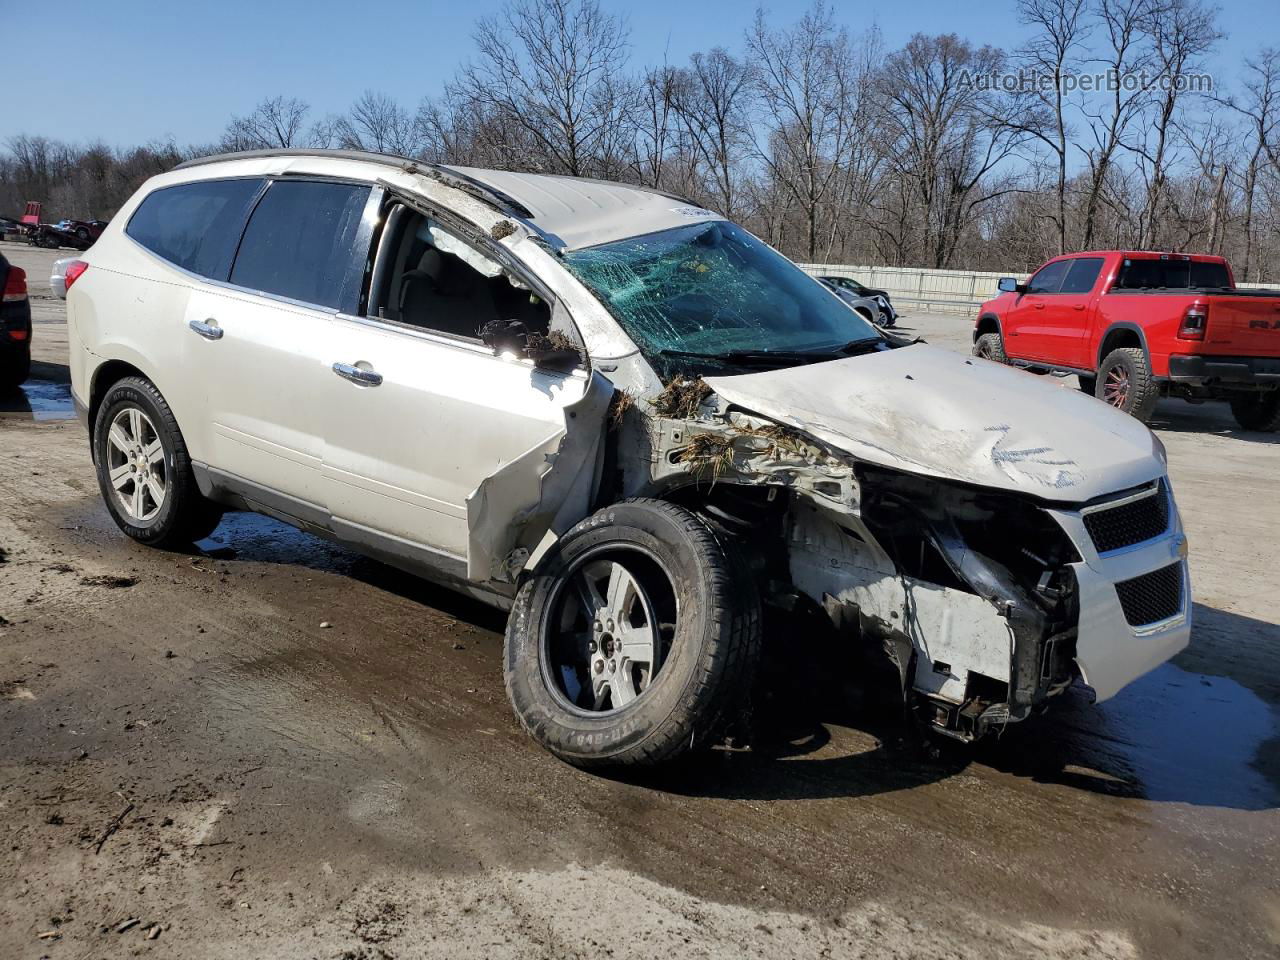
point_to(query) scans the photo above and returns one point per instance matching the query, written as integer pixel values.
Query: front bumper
(1201, 369)
(1110, 652)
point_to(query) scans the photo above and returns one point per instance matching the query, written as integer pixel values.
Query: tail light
(1194, 322)
(15, 285)
(74, 269)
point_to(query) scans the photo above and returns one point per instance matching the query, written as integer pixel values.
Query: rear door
(257, 343)
(1024, 323)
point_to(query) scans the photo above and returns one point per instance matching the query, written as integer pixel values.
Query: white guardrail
(947, 291)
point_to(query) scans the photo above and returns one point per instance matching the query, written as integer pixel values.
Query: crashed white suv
(627, 420)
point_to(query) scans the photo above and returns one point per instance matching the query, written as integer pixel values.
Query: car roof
(570, 212)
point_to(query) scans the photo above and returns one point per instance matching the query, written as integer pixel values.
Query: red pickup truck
(1135, 326)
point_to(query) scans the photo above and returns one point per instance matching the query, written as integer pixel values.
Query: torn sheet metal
(936, 413)
(547, 488)
(953, 633)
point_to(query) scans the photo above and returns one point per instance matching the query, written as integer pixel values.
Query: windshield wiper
(755, 356)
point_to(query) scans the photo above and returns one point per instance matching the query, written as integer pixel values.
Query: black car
(15, 326)
(889, 314)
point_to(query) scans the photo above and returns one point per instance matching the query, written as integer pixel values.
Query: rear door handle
(366, 378)
(208, 329)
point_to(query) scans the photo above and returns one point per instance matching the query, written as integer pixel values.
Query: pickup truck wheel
(1124, 381)
(990, 346)
(634, 641)
(1088, 384)
(144, 471)
(1258, 412)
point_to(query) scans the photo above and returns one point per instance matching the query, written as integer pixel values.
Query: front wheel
(636, 639)
(144, 471)
(1124, 380)
(1259, 411)
(990, 346)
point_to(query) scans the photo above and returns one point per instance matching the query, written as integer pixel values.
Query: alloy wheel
(136, 465)
(1115, 389)
(607, 638)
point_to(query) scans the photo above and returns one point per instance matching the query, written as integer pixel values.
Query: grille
(1130, 523)
(1151, 597)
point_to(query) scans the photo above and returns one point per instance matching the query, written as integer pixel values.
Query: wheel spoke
(622, 593)
(154, 452)
(120, 475)
(155, 488)
(135, 502)
(118, 438)
(135, 424)
(621, 687)
(636, 643)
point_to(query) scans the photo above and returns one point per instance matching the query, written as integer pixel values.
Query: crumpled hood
(930, 411)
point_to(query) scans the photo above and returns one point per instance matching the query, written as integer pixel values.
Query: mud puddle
(38, 400)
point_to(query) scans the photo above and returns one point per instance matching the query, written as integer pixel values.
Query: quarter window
(195, 225)
(1082, 275)
(301, 243)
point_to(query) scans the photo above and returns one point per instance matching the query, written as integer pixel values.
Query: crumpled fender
(545, 490)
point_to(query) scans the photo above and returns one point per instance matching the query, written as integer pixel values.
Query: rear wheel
(144, 471)
(635, 641)
(1124, 380)
(1259, 411)
(990, 346)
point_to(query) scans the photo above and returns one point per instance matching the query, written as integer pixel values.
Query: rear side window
(1082, 275)
(1049, 278)
(195, 225)
(301, 242)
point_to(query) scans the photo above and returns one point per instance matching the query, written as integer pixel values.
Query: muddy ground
(192, 765)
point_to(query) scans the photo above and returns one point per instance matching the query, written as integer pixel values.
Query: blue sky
(180, 69)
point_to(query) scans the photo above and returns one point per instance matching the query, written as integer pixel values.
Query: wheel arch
(1121, 335)
(105, 375)
(987, 323)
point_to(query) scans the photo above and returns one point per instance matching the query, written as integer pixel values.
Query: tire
(82, 234)
(1124, 381)
(15, 368)
(179, 514)
(1088, 384)
(990, 346)
(704, 650)
(1260, 411)
(864, 315)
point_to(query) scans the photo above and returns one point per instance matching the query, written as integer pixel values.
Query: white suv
(627, 420)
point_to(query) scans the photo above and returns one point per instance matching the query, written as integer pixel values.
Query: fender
(1122, 325)
(983, 317)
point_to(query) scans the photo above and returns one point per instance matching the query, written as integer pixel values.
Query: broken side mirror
(505, 336)
(553, 351)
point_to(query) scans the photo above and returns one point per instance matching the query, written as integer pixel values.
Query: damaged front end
(969, 593)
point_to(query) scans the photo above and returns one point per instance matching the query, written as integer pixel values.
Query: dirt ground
(193, 765)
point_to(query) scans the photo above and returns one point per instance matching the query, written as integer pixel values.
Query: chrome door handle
(367, 378)
(208, 329)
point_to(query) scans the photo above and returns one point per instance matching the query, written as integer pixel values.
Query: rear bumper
(1210, 370)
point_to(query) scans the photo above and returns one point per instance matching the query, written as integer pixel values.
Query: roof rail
(474, 188)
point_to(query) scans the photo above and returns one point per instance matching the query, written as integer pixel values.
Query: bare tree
(1061, 28)
(1126, 55)
(802, 79)
(377, 123)
(1181, 32)
(275, 122)
(551, 67)
(712, 102)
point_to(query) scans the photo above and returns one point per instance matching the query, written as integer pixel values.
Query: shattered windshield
(713, 291)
